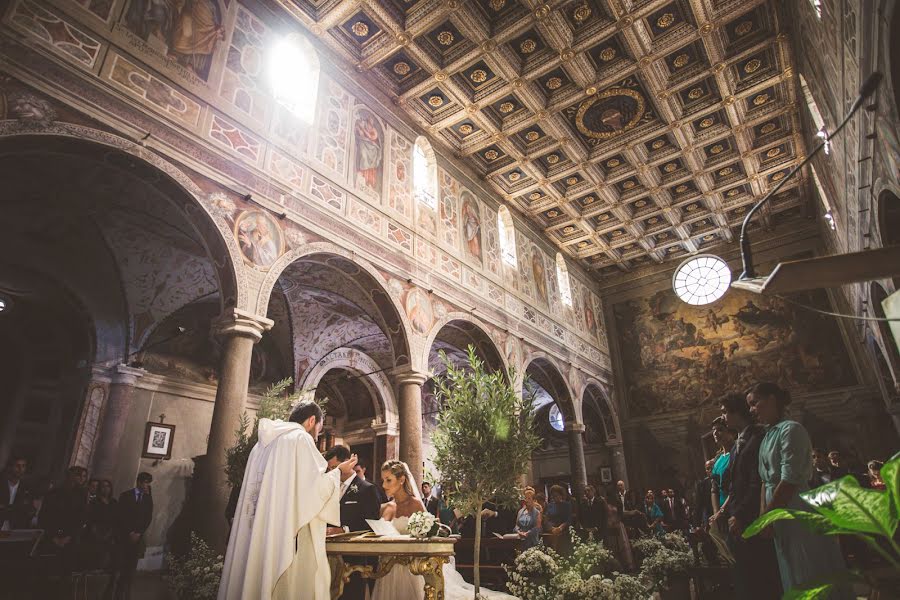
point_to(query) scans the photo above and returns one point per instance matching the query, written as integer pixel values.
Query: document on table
(383, 528)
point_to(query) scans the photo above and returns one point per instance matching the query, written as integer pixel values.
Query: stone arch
(393, 310)
(360, 364)
(614, 432)
(493, 354)
(545, 371)
(212, 229)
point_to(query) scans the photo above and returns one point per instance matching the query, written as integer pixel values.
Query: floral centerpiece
(423, 525)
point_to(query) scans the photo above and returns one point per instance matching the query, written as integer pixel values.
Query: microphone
(866, 89)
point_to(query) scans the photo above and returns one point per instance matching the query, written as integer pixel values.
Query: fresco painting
(471, 225)
(678, 357)
(368, 152)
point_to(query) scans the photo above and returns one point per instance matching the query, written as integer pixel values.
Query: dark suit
(18, 513)
(359, 502)
(703, 507)
(592, 514)
(756, 568)
(674, 513)
(133, 516)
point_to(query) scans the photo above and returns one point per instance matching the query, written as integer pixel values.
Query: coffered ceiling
(629, 131)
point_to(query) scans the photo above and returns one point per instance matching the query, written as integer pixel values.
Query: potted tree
(484, 439)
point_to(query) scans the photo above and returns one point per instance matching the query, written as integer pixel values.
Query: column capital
(576, 427)
(124, 374)
(385, 429)
(406, 376)
(235, 321)
(615, 443)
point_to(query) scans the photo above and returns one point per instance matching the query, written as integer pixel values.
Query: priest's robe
(277, 544)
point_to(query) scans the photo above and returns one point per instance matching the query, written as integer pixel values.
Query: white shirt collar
(346, 484)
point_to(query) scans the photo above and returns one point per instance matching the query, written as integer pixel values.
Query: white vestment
(277, 543)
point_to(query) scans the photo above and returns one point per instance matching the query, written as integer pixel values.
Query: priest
(277, 545)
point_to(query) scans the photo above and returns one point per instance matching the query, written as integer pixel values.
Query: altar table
(424, 557)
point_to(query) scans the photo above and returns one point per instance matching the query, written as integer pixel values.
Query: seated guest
(593, 514)
(875, 480)
(823, 471)
(652, 514)
(16, 507)
(528, 521)
(101, 523)
(133, 517)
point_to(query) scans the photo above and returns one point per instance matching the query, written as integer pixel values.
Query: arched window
(818, 121)
(424, 173)
(507, 236)
(294, 75)
(829, 213)
(817, 6)
(562, 277)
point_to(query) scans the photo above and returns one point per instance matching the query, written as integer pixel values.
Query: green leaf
(890, 473)
(812, 521)
(854, 508)
(815, 592)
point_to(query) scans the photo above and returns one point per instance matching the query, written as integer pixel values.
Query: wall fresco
(470, 219)
(51, 29)
(242, 83)
(333, 117)
(368, 152)
(676, 356)
(260, 237)
(400, 173)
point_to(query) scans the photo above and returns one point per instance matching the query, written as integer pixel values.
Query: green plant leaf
(812, 521)
(816, 592)
(852, 507)
(890, 473)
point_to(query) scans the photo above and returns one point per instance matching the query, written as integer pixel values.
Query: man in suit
(823, 471)
(16, 508)
(674, 513)
(359, 501)
(703, 499)
(756, 567)
(360, 470)
(134, 514)
(624, 502)
(592, 513)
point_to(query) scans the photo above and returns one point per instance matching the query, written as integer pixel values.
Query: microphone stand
(866, 90)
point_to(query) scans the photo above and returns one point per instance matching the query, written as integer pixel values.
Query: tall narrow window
(818, 121)
(294, 75)
(829, 213)
(562, 277)
(424, 175)
(507, 236)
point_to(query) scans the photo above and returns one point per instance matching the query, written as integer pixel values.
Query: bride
(399, 583)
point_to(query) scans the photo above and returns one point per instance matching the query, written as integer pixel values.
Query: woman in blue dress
(653, 513)
(785, 466)
(528, 521)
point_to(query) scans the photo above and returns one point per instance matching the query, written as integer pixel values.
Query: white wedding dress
(400, 584)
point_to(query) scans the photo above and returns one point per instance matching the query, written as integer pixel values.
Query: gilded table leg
(431, 569)
(338, 568)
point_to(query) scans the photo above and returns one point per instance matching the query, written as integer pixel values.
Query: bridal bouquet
(422, 525)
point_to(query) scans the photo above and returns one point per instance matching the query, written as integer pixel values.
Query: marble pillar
(575, 432)
(410, 409)
(115, 415)
(617, 461)
(385, 448)
(239, 332)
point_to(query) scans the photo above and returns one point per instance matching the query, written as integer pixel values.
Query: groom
(277, 545)
(359, 501)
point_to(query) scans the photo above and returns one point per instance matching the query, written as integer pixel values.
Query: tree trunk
(477, 575)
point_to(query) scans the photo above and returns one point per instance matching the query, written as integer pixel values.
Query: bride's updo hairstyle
(398, 470)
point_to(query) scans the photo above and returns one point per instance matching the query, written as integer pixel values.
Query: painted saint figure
(472, 228)
(257, 241)
(369, 151)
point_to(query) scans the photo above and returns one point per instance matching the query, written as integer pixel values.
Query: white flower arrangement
(422, 524)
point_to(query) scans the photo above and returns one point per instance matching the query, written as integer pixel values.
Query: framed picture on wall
(605, 474)
(158, 441)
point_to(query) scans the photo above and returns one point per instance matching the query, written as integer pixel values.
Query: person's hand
(735, 527)
(334, 530)
(346, 467)
(522, 535)
(487, 513)
(135, 537)
(714, 518)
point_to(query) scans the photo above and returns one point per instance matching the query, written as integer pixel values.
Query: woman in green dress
(785, 466)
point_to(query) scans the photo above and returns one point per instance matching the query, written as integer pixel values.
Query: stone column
(617, 461)
(239, 332)
(576, 458)
(410, 408)
(115, 415)
(385, 448)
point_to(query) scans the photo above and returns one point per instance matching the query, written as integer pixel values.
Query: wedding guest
(426, 491)
(723, 436)
(874, 473)
(756, 568)
(541, 500)
(528, 521)
(361, 470)
(446, 513)
(652, 514)
(92, 487)
(133, 517)
(616, 539)
(785, 466)
(558, 518)
(703, 508)
(593, 514)
(16, 507)
(62, 517)
(838, 468)
(823, 471)
(674, 511)
(101, 525)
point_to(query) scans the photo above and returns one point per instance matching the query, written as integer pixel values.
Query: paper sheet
(384, 528)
